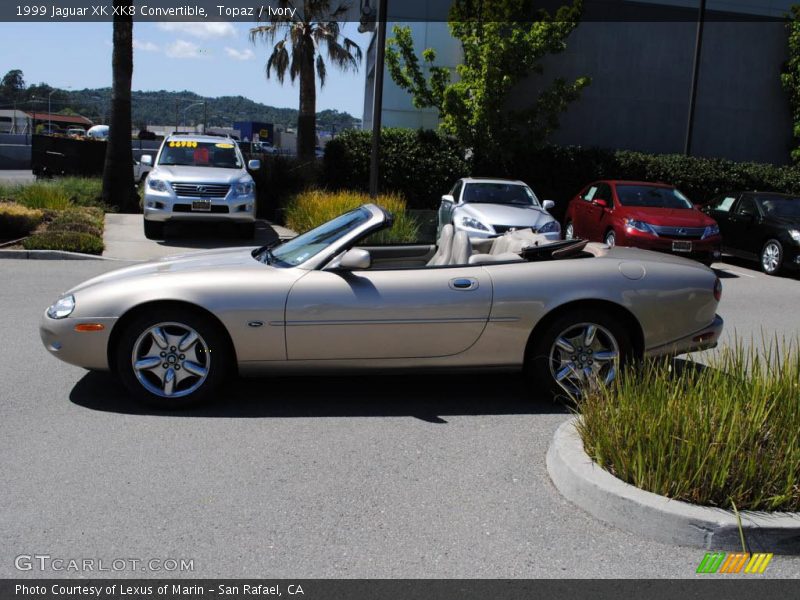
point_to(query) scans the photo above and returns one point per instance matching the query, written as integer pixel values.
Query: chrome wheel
(170, 360)
(582, 357)
(611, 239)
(771, 257)
(569, 232)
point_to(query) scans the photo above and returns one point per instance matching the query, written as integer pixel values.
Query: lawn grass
(312, 208)
(726, 435)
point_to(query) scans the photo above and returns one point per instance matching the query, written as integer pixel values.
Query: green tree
(118, 188)
(12, 85)
(790, 77)
(298, 50)
(503, 43)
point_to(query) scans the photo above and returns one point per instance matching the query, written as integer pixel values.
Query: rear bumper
(703, 339)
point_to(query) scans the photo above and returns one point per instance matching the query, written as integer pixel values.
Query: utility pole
(698, 47)
(177, 114)
(205, 117)
(377, 98)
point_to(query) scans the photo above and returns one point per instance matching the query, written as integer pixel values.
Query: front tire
(771, 258)
(153, 230)
(579, 350)
(173, 358)
(569, 231)
(610, 239)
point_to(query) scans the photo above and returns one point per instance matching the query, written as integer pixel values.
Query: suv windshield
(189, 153)
(779, 206)
(651, 196)
(298, 250)
(499, 193)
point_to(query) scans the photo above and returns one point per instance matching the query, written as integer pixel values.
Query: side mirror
(254, 165)
(146, 159)
(601, 203)
(548, 204)
(355, 259)
(448, 198)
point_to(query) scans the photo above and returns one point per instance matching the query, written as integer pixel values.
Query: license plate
(681, 246)
(201, 205)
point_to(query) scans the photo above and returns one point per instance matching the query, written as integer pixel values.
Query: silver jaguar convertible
(568, 312)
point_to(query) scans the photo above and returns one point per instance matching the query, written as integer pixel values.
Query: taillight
(717, 288)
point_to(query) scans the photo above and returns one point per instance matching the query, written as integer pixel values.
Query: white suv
(199, 178)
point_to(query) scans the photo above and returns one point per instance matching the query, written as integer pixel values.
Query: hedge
(421, 165)
(69, 241)
(17, 221)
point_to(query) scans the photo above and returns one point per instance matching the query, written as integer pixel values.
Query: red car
(653, 216)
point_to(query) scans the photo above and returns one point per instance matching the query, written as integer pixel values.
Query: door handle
(463, 284)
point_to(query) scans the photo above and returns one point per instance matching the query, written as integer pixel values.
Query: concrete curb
(655, 517)
(50, 255)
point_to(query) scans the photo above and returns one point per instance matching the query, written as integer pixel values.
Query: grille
(688, 233)
(185, 208)
(505, 228)
(200, 190)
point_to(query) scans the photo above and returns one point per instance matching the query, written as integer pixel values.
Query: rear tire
(153, 230)
(164, 357)
(579, 348)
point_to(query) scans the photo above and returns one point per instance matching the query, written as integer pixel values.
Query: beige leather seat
(444, 248)
(462, 249)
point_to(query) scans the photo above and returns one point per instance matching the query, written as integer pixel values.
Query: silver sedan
(568, 311)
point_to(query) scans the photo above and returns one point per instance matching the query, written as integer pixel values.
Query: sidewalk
(124, 238)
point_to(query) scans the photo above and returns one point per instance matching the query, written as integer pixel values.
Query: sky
(209, 58)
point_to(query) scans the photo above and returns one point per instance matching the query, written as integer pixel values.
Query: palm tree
(118, 188)
(299, 50)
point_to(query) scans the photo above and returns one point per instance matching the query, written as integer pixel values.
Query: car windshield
(651, 196)
(499, 193)
(298, 250)
(190, 153)
(779, 206)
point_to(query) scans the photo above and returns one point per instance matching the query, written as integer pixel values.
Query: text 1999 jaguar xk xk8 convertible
(568, 312)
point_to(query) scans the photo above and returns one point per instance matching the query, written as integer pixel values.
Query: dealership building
(641, 57)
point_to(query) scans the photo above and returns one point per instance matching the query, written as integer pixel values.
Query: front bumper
(703, 339)
(163, 207)
(87, 349)
(702, 249)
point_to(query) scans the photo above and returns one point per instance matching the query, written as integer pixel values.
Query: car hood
(503, 214)
(205, 261)
(674, 217)
(198, 174)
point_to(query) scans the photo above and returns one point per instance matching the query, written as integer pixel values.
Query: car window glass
(652, 196)
(746, 206)
(189, 153)
(456, 191)
(725, 204)
(780, 206)
(499, 193)
(589, 195)
(603, 192)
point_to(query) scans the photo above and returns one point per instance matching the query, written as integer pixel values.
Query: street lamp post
(188, 107)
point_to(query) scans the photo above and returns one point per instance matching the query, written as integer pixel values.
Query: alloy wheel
(569, 232)
(771, 257)
(171, 360)
(582, 357)
(611, 239)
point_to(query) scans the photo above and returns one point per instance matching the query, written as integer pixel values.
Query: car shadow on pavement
(215, 235)
(425, 397)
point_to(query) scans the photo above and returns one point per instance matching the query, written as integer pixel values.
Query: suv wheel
(153, 230)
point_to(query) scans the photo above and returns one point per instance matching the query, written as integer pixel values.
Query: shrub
(65, 240)
(279, 178)
(17, 221)
(82, 215)
(724, 435)
(314, 207)
(43, 195)
(419, 164)
(82, 191)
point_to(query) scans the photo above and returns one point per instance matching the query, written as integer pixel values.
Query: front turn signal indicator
(83, 327)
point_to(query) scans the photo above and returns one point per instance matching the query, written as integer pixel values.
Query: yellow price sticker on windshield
(226, 146)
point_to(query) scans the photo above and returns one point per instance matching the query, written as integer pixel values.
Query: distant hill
(161, 108)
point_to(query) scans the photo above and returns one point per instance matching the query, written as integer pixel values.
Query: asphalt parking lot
(351, 477)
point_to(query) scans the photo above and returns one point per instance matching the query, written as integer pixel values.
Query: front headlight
(62, 308)
(471, 223)
(640, 226)
(795, 234)
(550, 227)
(244, 188)
(156, 184)
(711, 230)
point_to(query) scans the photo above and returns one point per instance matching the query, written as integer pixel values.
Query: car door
(720, 210)
(392, 313)
(446, 207)
(580, 208)
(595, 221)
(742, 225)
